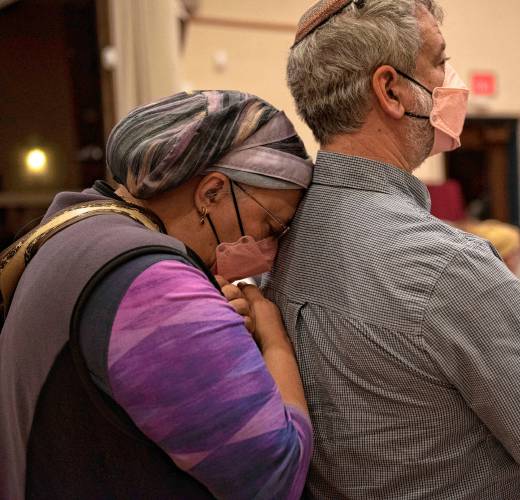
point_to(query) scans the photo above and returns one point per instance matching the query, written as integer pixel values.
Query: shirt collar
(335, 169)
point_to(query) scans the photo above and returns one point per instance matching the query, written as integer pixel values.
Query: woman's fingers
(251, 293)
(239, 302)
(249, 323)
(241, 306)
(268, 321)
(231, 292)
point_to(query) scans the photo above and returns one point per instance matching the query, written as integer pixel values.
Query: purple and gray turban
(160, 146)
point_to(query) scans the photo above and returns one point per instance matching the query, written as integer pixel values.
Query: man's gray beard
(420, 134)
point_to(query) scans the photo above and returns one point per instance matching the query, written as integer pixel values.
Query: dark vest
(60, 436)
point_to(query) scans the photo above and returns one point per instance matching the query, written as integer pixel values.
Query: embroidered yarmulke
(318, 14)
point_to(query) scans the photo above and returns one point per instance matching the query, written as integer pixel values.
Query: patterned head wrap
(320, 13)
(164, 144)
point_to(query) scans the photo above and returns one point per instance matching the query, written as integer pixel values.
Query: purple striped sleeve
(186, 370)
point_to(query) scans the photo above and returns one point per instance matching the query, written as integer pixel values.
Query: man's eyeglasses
(284, 229)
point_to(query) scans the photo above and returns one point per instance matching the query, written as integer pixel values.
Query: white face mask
(448, 112)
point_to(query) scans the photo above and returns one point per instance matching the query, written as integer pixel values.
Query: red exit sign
(483, 83)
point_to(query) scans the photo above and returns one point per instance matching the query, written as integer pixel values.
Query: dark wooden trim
(243, 24)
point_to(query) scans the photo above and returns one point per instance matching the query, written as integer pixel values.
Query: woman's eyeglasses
(284, 229)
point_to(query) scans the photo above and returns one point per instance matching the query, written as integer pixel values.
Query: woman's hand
(269, 327)
(263, 319)
(238, 302)
(275, 346)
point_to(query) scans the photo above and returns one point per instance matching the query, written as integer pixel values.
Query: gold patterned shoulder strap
(14, 259)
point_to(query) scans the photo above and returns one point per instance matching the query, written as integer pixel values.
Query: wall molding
(243, 24)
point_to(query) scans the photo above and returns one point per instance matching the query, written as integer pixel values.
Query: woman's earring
(203, 215)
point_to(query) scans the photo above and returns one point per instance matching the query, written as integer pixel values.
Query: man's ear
(210, 191)
(388, 91)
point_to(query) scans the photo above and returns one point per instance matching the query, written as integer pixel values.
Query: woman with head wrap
(202, 150)
(158, 389)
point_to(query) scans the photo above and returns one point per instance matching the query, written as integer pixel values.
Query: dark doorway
(51, 88)
(486, 166)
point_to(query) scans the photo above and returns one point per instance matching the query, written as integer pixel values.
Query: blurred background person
(447, 203)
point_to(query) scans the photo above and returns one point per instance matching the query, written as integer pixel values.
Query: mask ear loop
(413, 115)
(237, 210)
(413, 80)
(213, 229)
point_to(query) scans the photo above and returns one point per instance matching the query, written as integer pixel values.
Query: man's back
(408, 337)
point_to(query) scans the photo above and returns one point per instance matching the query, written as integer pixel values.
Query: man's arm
(472, 332)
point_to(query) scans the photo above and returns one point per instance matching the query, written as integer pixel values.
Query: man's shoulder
(377, 260)
(369, 226)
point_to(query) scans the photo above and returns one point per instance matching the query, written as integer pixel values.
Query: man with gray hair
(407, 330)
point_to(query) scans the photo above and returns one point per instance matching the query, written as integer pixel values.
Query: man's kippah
(319, 13)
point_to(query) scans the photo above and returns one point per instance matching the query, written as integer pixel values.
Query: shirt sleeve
(472, 330)
(186, 370)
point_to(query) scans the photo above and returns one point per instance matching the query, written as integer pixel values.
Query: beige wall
(256, 58)
(481, 35)
(280, 11)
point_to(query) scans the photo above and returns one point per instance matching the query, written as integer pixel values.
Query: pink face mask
(245, 257)
(448, 112)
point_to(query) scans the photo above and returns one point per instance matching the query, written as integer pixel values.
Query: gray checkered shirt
(407, 332)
